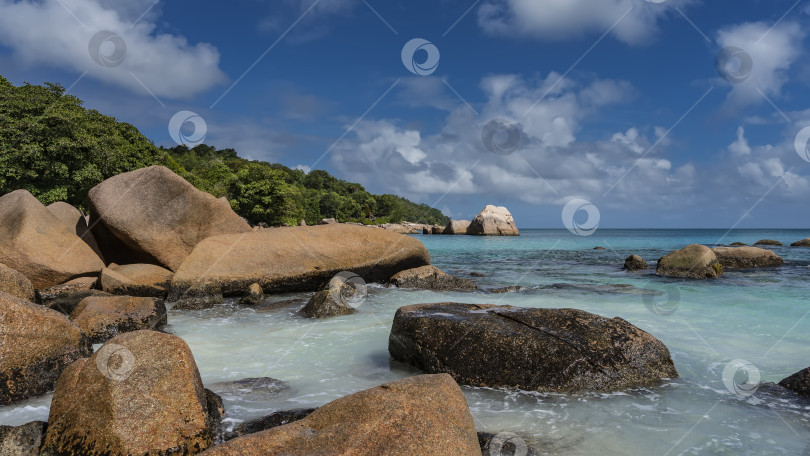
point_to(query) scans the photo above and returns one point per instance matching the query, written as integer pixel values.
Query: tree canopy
(58, 150)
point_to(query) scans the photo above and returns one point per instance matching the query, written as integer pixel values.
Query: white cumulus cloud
(55, 33)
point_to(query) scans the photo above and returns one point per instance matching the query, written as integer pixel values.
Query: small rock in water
(510, 289)
(251, 389)
(691, 262)
(635, 263)
(799, 382)
(747, 257)
(768, 242)
(254, 295)
(739, 244)
(340, 296)
(431, 278)
(802, 243)
(599, 248)
(477, 274)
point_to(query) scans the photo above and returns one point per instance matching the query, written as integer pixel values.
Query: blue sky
(674, 113)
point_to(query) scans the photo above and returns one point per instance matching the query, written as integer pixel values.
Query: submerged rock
(457, 227)
(145, 280)
(16, 284)
(802, 243)
(691, 262)
(799, 382)
(140, 393)
(36, 345)
(530, 349)
(417, 416)
(768, 242)
(635, 263)
(103, 317)
(251, 389)
(270, 421)
(298, 258)
(39, 245)
(747, 257)
(493, 221)
(152, 215)
(24, 440)
(431, 278)
(509, 289)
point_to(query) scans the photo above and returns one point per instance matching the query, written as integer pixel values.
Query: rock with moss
(24, 440)
(635, 263)
(254, 295)
(802, 243)
(691, 262)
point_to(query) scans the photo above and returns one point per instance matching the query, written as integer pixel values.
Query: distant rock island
(491, 221)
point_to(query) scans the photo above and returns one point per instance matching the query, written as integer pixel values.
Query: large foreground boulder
(417, 416)
(74, 218)
(457, 227)
(297, 258)
(530, 349)
(36, 345)
(493, 221)
(431, 278)
(152, 215)
(747, 257)
(146, 280)
(16, 284)
(39, 245)
(103, 317)
(691, 262)
(140, 393)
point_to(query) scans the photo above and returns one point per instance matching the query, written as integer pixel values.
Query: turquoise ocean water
(760, 317)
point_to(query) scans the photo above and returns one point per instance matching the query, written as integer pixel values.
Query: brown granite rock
(802, 243)
(747, 257)
(425, 415)
(16, 284)
(140, 393)
(297, 258)
(457, 227)
(770, 242)
(36, 243)
(530, 349)
(342, 295)
(691, 262)
(36, 345)
(635, 263)
(799, 382)
(102, 318)
(146, 280)
(73, 217)
(431, 278)
(254, 295)
(493, 221)
(152, 215)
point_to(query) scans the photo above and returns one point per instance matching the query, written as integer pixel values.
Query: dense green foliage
(53, 147)
(275, 194)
